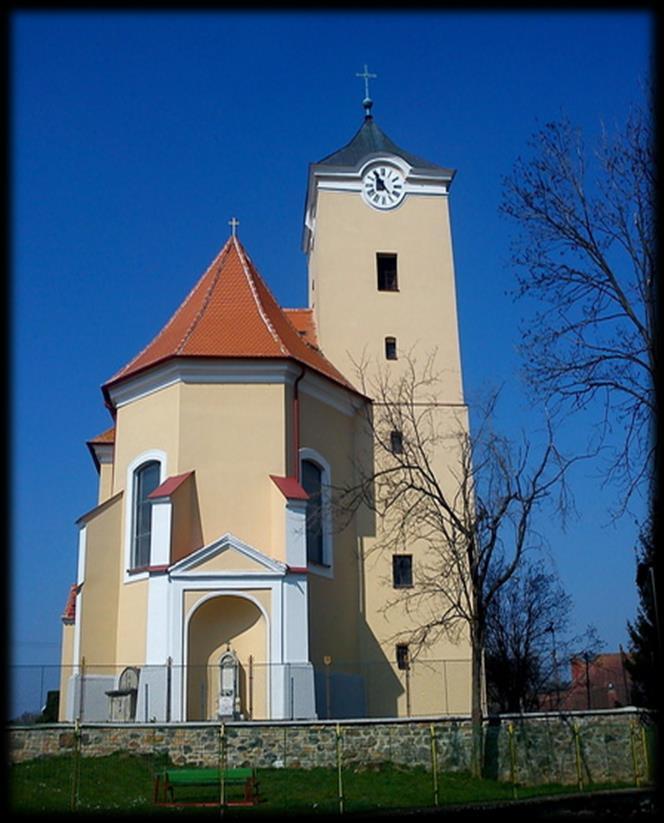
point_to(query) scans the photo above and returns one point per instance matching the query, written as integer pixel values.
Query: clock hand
(380, 183)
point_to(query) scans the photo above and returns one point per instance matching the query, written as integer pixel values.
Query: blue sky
(136, 136)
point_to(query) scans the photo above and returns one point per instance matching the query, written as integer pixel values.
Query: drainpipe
(296, 424)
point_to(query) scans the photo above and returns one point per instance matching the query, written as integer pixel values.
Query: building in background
(597, 682)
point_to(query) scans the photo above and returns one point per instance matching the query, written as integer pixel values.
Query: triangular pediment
(228, 555)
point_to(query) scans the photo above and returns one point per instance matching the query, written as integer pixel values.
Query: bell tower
(380, 266)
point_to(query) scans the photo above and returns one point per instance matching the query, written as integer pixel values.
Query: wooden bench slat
(204, 776)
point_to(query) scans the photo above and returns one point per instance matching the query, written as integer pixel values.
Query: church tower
(382, 290)
(378, 240)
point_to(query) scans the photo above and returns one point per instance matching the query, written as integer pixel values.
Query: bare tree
(527, 640)
(465, 503)
(585, 250)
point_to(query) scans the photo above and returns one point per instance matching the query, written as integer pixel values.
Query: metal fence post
(76, 767)
(340, 786)
(327, 660)
(510, 732)
(408, 689)
(635, 765)
(81, 704)
(169, 687)
(577, 752)
(434, 764)
(222, 766)
(646, 757)
(251, 687)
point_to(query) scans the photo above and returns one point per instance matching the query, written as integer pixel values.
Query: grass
(123, 783)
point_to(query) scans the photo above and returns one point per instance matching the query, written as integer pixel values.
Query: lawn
(123, 783)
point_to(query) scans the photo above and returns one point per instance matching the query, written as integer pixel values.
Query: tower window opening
(402, 571)
(390, 348)
(403, 658)
(396, 442)
(386, 266)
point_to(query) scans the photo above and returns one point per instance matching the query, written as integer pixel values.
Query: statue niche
(230, 704)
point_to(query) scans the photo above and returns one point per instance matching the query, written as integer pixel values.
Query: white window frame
(144, 457)
(327, 569)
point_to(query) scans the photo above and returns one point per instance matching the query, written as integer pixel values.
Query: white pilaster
(160, 538)
(296, 533)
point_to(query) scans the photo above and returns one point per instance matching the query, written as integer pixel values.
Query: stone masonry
(539, 748)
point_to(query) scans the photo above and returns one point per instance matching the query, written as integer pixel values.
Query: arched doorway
(220, 623)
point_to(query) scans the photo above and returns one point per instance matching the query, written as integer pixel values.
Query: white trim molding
(192, 370)
(144, 457)
(418, 181)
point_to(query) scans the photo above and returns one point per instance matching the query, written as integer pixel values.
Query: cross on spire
(366, 75)
(233, 223)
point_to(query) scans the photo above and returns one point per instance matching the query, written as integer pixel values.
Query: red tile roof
(231, 313)
(169, 485)
(305, 325)
(107, 436)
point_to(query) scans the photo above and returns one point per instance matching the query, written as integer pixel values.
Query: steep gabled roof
(230, 313)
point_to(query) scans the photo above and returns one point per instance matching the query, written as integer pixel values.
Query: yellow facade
(354, 317)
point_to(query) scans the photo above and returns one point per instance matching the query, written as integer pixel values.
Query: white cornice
(103, 452)
(191, 370)
(418, 182)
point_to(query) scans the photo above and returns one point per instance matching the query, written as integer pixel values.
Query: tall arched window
(312, 477)
(146, 480)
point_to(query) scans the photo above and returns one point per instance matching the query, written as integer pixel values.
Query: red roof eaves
(170, 485)
(69, 613)
(289, 487)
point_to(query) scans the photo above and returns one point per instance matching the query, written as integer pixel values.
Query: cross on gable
(233, 223)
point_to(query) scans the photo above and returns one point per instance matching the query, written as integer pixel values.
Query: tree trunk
(476, 703)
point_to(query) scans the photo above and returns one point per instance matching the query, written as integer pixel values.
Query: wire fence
(337, 690)
(325, 766)
(253, 690)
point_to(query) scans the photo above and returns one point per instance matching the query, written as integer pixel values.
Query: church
(212, 581)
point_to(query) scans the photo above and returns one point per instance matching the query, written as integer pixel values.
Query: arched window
(312, 482)
(146, 480)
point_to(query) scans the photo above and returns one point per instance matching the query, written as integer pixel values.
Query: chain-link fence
(243, 690)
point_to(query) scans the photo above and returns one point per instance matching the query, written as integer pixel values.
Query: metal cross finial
(366, 75)
(233, 223)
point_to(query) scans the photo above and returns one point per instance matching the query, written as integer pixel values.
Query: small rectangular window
(402, 571)
(390, 348)
(396, 442)
(403, 660)
(386, 265)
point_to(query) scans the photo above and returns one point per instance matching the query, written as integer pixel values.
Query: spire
(367, 102)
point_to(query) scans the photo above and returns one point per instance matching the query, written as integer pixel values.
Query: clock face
(383, 187)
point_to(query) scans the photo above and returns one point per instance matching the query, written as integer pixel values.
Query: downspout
(296, 424)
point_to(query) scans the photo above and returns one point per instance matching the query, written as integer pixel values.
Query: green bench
(166, 782)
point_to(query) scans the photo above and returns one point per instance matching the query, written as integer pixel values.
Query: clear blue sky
(136, 136)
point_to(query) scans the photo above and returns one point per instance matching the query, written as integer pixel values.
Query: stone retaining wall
(539, 748)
